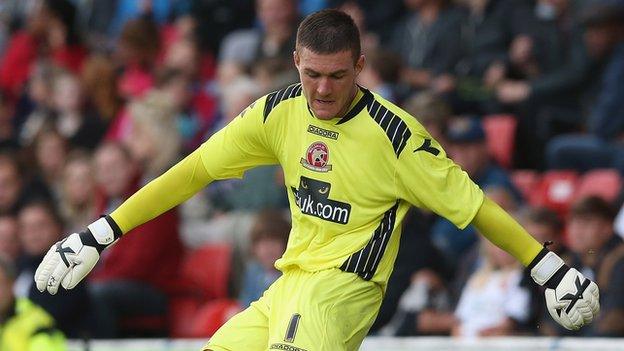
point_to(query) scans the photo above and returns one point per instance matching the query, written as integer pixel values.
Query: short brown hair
(328, 32)
(592, 206)
(544, 216)
(270, 224)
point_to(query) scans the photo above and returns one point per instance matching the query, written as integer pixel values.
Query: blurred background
(98, 97)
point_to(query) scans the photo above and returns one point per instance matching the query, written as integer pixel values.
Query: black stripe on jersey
(366, 99)
(276, 97)
(365, 262)
(393, 125)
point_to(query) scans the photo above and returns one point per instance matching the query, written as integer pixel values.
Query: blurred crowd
(99, 97)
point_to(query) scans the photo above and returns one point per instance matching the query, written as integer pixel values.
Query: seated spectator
(275, 38)
(51, 31)
(432, 112)
(269, 235)
(381, 75)
(467, 147)
(77, 203)
(11, 183)
(134, 278)
(153, 121)
(602, 146)
(50, 152)
(545, 225)
(39, 228)
(35, 108)
(598, 252)
(99, 81)
(428, 40)
(492, 303)
(82, 127)
(24, 325)
(9, 240)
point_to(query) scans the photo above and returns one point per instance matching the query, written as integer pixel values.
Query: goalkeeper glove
(71, 259)
(571, 299)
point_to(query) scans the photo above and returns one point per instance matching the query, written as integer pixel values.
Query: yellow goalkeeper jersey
(350, 180)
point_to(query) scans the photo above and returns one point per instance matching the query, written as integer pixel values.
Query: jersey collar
(366, 97)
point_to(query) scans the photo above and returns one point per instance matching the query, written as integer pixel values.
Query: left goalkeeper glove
(571, 299)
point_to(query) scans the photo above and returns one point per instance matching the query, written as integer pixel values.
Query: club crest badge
(317, 158)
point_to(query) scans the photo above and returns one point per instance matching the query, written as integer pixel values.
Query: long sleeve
(503, 231)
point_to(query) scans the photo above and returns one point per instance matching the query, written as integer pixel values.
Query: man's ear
(296, 58)
(359, 64)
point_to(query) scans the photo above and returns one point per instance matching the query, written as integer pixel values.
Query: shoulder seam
(274, 98)
(393, 125)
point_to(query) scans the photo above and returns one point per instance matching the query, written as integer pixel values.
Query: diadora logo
(312, 198)
(317, 158)
(323, 132)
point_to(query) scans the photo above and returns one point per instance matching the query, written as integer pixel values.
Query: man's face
(471, 157)
(599, 40)
(6, 292)
(10, 186)
(328, 80)
(38, 230)
(588, 233)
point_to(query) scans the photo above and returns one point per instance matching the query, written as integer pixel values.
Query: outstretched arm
(571, 299)
(503, 231)
(172, 188)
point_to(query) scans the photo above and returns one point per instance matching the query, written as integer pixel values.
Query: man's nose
(324, 87)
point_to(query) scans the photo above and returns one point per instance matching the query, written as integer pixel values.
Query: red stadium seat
(500, 133)
(182, 310)
(207, 270)
(213, 315)
(556, 190)
(526, 181)
(605, 183)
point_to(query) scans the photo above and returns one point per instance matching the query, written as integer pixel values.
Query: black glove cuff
(88, 239)
(556, 278)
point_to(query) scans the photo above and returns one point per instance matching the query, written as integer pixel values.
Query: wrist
(547, 269)
(101, 233)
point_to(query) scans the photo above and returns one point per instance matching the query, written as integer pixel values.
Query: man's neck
(352, 100)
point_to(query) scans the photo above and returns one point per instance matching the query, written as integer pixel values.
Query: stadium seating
(605, 183)
(213, 315)
(500, 133)
(556, 191)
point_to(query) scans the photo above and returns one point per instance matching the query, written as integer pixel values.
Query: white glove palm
(571, 299)
(70, 260)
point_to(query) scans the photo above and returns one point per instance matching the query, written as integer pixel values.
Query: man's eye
(313, 75)
(338, 76)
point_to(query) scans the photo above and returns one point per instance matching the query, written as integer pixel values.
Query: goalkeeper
(353, 165)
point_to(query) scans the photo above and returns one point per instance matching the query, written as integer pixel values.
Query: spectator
(382, 74)
(25, 326)
(427, 38)
(600, 253)
(269, 235)
(549, 78)
(153, 120)
(545, 225)
(100, 87)
(602, 146)
(487, 30)
(274, 39)
(492, 303)
(82, 127)
(432, 112)
(35, 108)
(137, 50)
(50, 155)
(11, 182)
(132, 279)
(51, 34)
(467, 147)
(77, 205)
(39, 228)
(9, 240)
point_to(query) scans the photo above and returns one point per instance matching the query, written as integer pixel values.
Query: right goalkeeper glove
(71, 259)
(571, 299)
